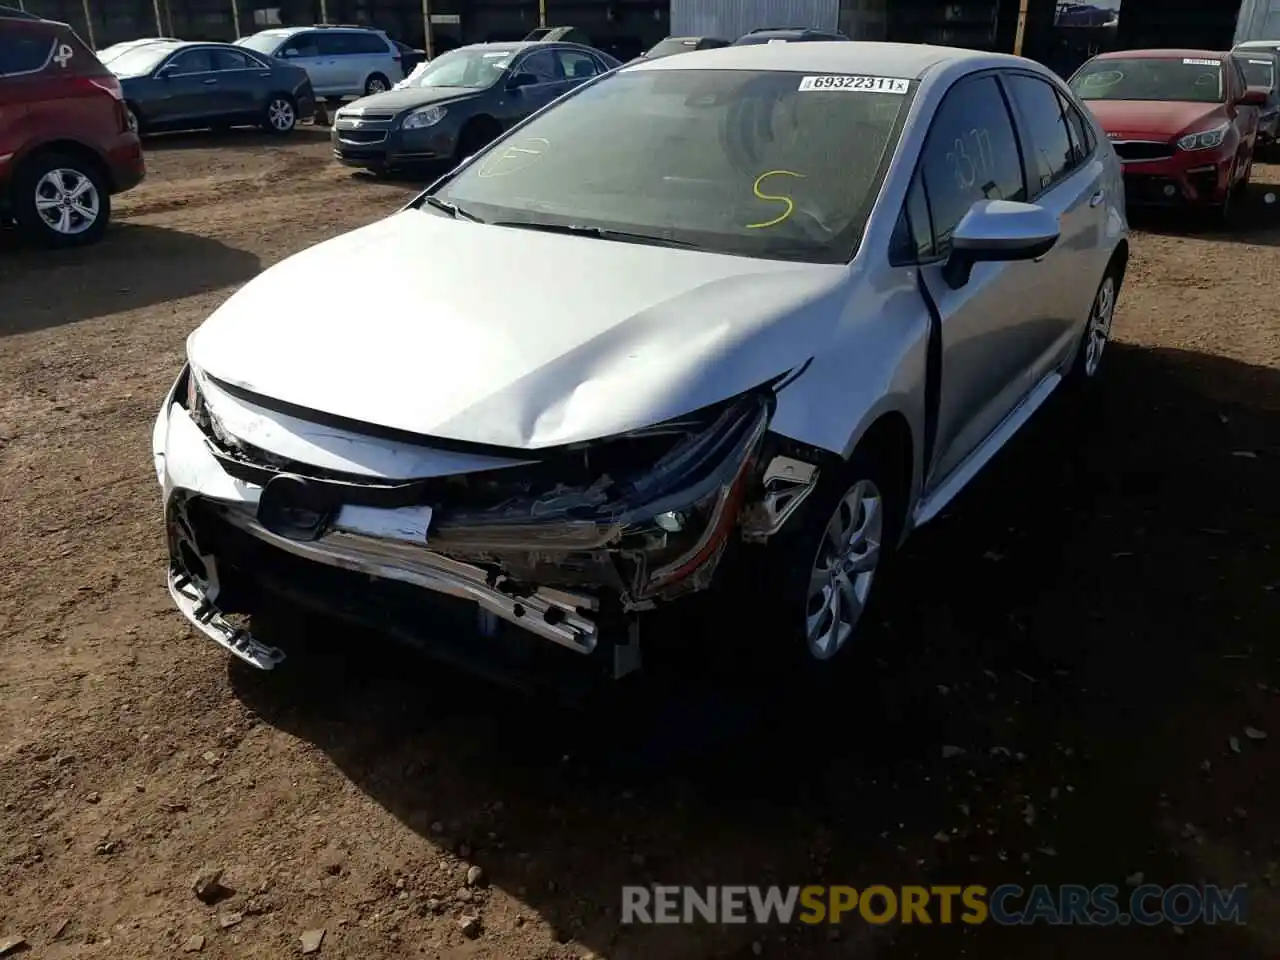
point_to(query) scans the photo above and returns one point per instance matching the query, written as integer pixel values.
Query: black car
(1261, 66)
(178, 85)
(410, 57)
(665, 48)
(463, 99)
(787, 35)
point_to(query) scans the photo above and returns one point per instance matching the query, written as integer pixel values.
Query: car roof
(1172, 53)
(908, 60)
(1256, 44)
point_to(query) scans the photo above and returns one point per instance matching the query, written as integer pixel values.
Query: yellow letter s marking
(781, 199)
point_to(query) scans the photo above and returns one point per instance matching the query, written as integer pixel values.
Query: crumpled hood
(1154, 119)
(512, 337)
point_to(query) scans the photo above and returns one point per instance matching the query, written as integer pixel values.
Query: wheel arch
(69, 148)
(889, 439)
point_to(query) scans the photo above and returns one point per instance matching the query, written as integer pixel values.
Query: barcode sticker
(1193, 61)
(859, 84)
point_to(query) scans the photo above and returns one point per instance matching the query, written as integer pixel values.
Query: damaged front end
(568, 546)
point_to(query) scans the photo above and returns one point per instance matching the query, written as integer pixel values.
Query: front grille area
(1142, 149)
(362, 136)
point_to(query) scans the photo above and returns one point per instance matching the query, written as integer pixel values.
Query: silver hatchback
(341, 61)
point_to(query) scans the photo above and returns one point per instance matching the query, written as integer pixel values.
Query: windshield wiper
(452, 209)
(597, 233)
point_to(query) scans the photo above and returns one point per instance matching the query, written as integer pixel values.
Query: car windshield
(475, 69)
(1258, 71)
(1191, 79)
(768, 164)
(140, 60)
(262, 42)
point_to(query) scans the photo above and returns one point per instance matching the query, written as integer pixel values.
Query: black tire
(1086, 365)
(376, 84)
(475, 136)
(784, 575)
(280, 115)
(135, 120)
(39, 177)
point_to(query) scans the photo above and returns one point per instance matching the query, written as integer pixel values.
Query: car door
(186, 88)
(303, 50)
(971, 154)
(1072, 187)
(545, 68)
(343, 59)
(576, 66)
(242, 82)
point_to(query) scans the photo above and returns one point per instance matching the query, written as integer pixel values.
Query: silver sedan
(757, 311)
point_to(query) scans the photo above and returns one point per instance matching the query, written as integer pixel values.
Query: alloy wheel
(280, 115)
(844, 568)
(67, 201)
(1099, 332)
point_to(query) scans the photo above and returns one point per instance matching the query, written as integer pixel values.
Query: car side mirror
(999, 231)
(521, 80)
(288, 53)
(1254, 97)
(166, 71)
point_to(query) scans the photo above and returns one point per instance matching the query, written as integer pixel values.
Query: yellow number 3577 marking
(790, 206)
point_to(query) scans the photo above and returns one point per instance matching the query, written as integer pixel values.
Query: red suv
(65, 142)
(1183, 122)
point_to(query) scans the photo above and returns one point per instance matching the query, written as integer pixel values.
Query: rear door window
(192, 61)
(335, 44)
(366, 43)
(1045, 138)
(232, 60)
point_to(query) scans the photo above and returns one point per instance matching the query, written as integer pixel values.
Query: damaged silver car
(763, 309)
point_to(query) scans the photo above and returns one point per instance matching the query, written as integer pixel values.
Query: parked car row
(674, 45)
(1186, 124)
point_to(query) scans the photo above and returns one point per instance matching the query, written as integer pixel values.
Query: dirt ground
(1095, 624)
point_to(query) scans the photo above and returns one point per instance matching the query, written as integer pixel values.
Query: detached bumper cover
(555, 565)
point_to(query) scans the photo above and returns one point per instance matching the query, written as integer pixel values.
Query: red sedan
(1183, 123)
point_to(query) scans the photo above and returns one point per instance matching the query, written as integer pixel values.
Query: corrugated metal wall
(1258, 20)
(732, 18)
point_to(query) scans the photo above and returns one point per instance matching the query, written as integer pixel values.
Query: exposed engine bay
(556, 544)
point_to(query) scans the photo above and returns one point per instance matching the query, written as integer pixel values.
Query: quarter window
(971, 154)
(1045, 138)
(24, 52)
(366, 43)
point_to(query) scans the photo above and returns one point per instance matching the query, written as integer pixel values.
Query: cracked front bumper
(221, 553)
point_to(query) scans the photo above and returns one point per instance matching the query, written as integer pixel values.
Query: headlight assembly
(426, 117)
(1205, 139)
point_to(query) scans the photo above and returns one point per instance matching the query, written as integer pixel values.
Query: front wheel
(281, 115)
(376, 84)
(820, 570)
(61, 201)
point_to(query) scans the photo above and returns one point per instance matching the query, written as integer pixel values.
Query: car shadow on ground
(144, 265)
(236, 138)
(1047, 694)
(1255, 219)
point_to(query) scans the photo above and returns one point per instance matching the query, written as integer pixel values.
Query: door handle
(210, 80)
(1096, 199)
